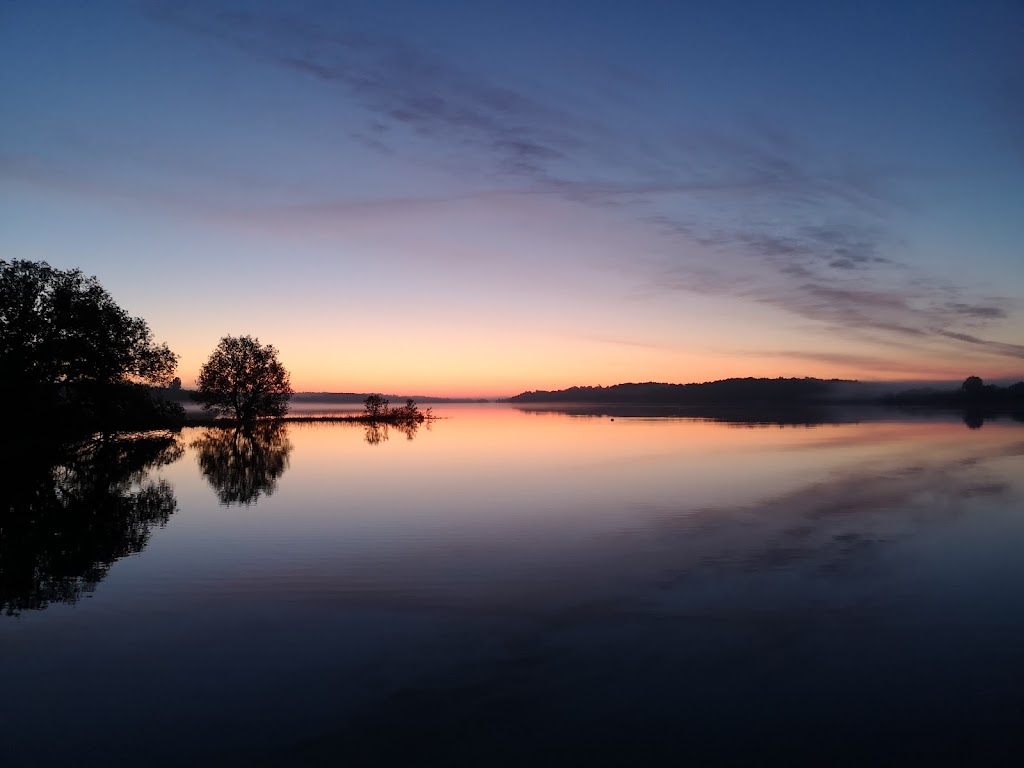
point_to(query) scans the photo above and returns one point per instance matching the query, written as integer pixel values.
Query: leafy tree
(69, 350)
(59, 326)
(245, 380)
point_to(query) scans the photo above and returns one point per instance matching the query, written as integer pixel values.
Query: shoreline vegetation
(377, 411)
(82, 366)
(725, 392)
(202, 420)
(760, 393)
(224, 421)
(748, 400)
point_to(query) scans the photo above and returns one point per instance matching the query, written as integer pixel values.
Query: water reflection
(243, 464)
(629, 592)
(774, 414)
(841, 522)
(68, 512)
(804, 415)
(976, 419)
(378, 432)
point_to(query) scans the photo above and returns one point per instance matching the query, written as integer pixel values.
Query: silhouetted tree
(243, 464)
(67, 349)
(378, 409)
(973, 385)
(376, 406)
(67, 512)
(408, 412)
(244, 379)
(175, 384)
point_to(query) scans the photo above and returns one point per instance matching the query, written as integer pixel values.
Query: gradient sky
(477, 198)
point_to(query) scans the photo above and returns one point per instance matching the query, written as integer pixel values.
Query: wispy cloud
(775, 218)
(520, 136)
(999, 347)
(918, 314)
(876, 363)
(405, 91)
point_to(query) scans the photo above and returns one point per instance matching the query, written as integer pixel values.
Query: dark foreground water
(512, 588)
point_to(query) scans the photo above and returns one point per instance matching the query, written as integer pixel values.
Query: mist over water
(516, 586)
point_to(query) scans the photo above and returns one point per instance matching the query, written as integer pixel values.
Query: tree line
(80, 364)
(72, 358)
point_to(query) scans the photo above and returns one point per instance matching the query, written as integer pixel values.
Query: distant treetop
(973, 385)
(59, 326)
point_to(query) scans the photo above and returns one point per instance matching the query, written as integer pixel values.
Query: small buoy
(613, 419)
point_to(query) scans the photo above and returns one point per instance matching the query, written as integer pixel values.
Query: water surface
(518, 588)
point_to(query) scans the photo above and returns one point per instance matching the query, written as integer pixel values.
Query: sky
(477, 198)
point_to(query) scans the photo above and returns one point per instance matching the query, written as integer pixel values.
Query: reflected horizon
(796, 415)
(662, 574)
(245, 466)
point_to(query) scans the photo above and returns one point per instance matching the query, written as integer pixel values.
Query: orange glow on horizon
(495, 361)
(488, 382)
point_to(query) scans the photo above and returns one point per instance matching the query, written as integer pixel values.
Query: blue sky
(484, 197)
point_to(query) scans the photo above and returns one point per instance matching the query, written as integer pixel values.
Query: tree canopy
(972, 385)
(69, 350)
(59, 326)
(245, 380)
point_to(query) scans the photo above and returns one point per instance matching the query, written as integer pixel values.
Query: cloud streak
(745, 209)
(409, 93)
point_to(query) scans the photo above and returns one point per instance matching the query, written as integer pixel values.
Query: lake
(518, 587)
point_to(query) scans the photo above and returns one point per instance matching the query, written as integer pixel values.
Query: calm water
(516, 588)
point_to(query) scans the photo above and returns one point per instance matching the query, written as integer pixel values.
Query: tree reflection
(68, 512)
(244, 463)
(378, 432)
(974, 419)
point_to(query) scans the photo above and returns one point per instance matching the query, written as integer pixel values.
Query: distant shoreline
(783, 393)
(748, 400)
